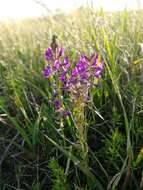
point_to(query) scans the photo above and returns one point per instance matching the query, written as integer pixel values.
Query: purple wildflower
(97, 73)
(83, 58)
(55, 93)
(98, 70)
(56, 65)
(57, 104)
(84, 75)
(48, 54)
(63, 76)
(82, 65)
(60, 52)
(76, 80)
(75, 72)
(47, 71)
(66, 113)
(66, 64)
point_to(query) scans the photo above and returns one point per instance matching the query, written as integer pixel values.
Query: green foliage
(113, 147)
(58, 176)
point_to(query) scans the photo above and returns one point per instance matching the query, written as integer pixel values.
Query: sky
(13, 9)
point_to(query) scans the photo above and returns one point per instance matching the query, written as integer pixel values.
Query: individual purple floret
(48, 54)
(56, 64)
(74, 72)
(66, 113)
(60, 52)
(97, 73)
(47, 71)
(57, 104)
(66, 64)
(63, 76)
(55, 93)
(98, 70)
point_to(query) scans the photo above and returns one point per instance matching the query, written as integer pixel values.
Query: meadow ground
(40, 150)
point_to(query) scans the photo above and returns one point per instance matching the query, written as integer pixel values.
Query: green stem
(79, 106)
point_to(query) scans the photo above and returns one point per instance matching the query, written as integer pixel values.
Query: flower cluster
(75, 79)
